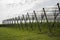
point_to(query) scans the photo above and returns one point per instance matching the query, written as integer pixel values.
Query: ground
(7, 33)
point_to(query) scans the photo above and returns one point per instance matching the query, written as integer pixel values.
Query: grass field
(11, 33)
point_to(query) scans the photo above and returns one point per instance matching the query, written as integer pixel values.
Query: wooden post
(7, 21)
(58, 9)
(42, 16)
(33, 22)
(22, 18)
(14, 21)
(19, 18)
(47, 20)
(32, 17)
(24, 21)
(54, 19)
(37, 21)
(45, 15)
(55, 15)
(58, 6)
(30, 24)
(21, 26)
(3, 22)
(16, 18)
(10, 21)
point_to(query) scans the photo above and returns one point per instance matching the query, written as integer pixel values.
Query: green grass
(15, 34)
(12, 32)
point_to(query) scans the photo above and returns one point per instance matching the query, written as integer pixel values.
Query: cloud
(10, 7)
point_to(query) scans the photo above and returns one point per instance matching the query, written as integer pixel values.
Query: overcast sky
(11, 8)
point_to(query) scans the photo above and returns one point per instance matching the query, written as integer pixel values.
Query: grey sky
(11, 8)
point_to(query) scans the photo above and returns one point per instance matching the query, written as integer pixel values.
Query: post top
(34, 11)
(57, 3)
